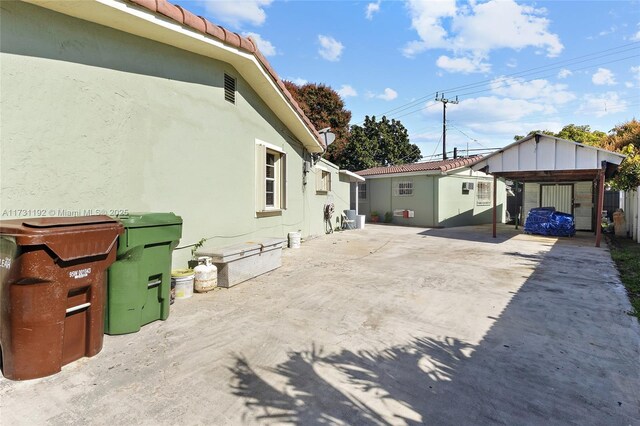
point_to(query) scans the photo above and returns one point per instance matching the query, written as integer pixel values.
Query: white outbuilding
(556, 173)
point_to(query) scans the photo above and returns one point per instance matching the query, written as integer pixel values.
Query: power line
(444, 102)
(554, 65)
(595, 55)
(514, 82)
(549, 75)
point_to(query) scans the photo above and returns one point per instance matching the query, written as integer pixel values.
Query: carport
(545, 161)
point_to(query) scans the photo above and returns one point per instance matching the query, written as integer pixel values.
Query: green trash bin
(139, 281)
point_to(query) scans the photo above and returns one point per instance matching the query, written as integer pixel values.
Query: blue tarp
(547, 221)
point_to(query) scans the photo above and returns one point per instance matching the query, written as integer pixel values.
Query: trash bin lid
(68, 237)
(49, 225)
(141, 220)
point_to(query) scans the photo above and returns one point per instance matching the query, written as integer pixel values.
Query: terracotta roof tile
(148, 4)
(170, 10)
(213, 30)
(247, 44)
(200, 24)
(193, 21)
(441, 165)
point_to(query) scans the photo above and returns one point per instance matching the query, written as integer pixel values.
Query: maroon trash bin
(52, 294)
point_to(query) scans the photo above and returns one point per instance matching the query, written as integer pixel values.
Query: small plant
(196, 246)
(375, 217)
(388, 217)
(194, 262)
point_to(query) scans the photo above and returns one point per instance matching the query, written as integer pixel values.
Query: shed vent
(229, 89)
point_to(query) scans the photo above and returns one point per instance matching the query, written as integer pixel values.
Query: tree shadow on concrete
(363, 387)
(562, 351)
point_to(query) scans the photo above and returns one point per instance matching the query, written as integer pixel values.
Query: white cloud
(496, 115)
(347, 91)
(472, 29)
(330, 48)
(371, 9)
(635, 37)
(564, 73)
(265, 46)
(603, 77)
(488, 108)
(237, 13)
(512, 63)
(297, 81)
(635, 75)
(608, 31)
(539, 89)
(636, 72)
(463, 65)
(601, 105)
(388, 94)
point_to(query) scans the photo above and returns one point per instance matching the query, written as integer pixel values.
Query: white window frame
(264, 149)
(403, 188)
(484, 193)
(323, 180)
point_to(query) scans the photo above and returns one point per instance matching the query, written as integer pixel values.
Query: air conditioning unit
(467, 186)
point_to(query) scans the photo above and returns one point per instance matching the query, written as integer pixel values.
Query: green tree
(378, 143)
(625, 138)
(325, 108)
(581, 134)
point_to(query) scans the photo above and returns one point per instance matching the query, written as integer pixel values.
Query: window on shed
(403, 188)
(483, 193)
(229, 89)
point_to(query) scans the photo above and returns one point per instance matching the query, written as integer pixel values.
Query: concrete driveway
(388, 325)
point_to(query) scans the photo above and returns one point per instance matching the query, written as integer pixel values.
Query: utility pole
(445, 101)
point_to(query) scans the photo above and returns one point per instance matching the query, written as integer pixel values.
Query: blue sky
(516, 66)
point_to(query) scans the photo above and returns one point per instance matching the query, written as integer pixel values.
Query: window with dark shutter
(229, 89)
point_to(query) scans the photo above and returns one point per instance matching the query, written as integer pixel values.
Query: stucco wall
(436, 201)
(94, 119)
(381, 198)
(461, 208)
(339, 196)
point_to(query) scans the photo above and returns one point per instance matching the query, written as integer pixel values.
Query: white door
(583, 205)
(558, 196)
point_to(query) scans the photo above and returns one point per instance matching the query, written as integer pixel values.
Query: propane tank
(206, 275)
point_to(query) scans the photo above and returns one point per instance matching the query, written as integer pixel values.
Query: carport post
(495, 195)
(600, 207)
(357, 195)
(518, 208)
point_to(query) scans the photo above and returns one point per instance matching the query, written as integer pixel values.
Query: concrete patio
(388, 325)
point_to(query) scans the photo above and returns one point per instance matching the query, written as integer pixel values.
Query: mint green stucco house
(114, 105)
(431, 194)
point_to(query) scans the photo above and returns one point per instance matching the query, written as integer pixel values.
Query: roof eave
(352, 176)
(409, 173)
